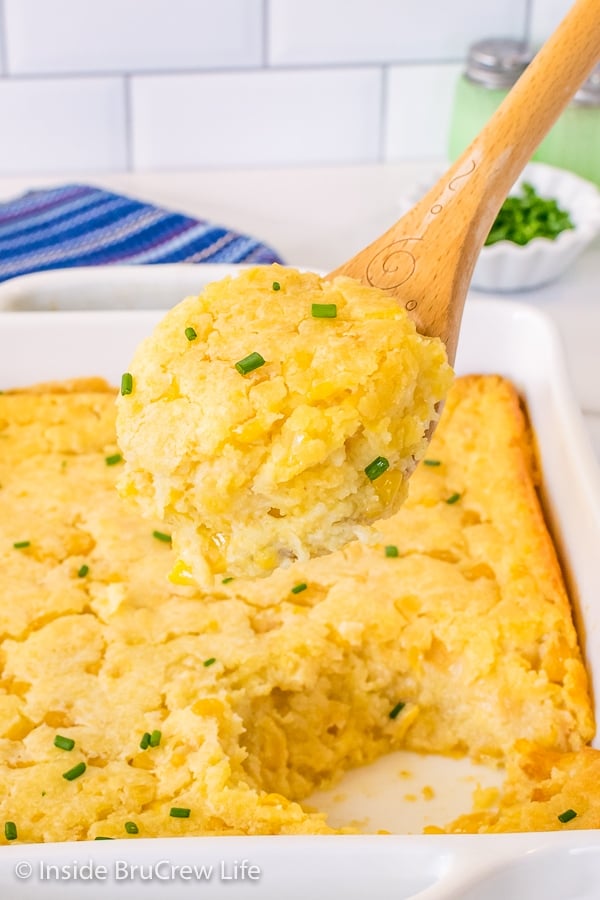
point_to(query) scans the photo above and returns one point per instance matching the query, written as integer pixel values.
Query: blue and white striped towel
(81, 225)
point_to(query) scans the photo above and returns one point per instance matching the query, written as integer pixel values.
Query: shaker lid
(497, 62)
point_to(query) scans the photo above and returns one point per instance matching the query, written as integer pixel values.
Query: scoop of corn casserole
(274, 416)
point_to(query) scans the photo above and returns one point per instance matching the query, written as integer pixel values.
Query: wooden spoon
(426, 259)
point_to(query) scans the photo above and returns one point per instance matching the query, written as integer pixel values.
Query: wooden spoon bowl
(427, 258)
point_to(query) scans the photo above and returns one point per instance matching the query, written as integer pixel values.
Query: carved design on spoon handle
(461, 175)
(392, 266)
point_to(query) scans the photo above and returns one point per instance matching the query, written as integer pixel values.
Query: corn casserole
(135, 706)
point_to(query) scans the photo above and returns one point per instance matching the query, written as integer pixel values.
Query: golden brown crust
(544, 788)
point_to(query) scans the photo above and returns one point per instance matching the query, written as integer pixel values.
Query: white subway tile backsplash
(545, 16)
(114, 84)
(62, 125)
(256, 118)
(60, 36)
(418, 110)
(328, 31)
(2, 62)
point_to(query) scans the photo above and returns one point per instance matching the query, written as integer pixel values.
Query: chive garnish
(10, 831)
(323, 310)
(567, 815)
(376, 468)
(63, 743)
(126, 383)
(20, 545)
(227, 580)
(397, 709)
(75, 772)
(276, 286)
(113, 460)
(145, 741)
(391, 550)
(432, 462)
(131, 828)
(298, 588)
(179, 812)
(161, 536)
(83, 571)
(155, 738)
(103, 837)
(209, 662)
(453, 498)
(249, 363)
(190, 333)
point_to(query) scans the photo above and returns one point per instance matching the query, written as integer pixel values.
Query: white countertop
(318, 217)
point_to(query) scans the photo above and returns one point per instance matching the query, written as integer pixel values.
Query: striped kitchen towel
(81, 225)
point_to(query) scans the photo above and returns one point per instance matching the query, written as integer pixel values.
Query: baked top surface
(468, 627)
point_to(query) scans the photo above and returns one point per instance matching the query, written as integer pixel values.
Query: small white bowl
(506, 266)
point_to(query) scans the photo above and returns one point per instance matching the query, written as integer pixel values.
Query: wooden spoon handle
(427, 258)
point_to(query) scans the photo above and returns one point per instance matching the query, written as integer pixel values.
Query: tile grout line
(383, 102)
(528, 17)
(3, 41)
(128, 123)
(234, 70)
(266, 19)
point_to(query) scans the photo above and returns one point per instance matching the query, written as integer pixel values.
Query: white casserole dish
(108, 312)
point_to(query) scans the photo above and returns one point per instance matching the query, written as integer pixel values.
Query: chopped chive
(190, 333)
(20, 545)
(397, 709)
(126, 383)
(209, 662)
(83, 571)
(298, 588)
(391, 550)
(179, 812)
(432, 462)
(453, 498)
(376, 468)
(161, 536)
(75, 772)
(155, 738)
(63, 743)
(323, 310)
(103, 837)
(567, 815)
(131, 828)
(227, 580)
(145, 741)
(113, 460)
(276, 286)
(249, 363)
(10, 831)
